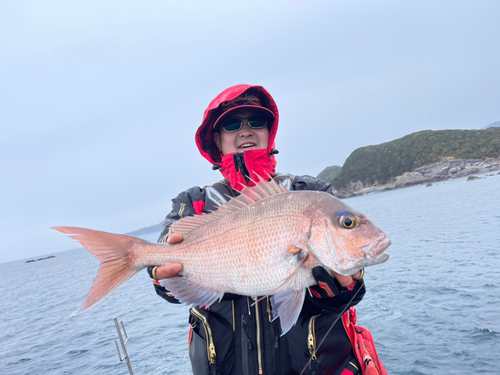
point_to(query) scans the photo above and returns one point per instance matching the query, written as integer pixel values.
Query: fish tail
(115, 252)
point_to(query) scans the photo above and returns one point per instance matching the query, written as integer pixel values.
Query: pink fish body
(264, 242)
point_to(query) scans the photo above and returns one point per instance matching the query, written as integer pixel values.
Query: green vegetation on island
(377, 164)
(329, 173)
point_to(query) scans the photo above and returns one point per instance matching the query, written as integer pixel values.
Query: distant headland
(36, 260)
(422, 157)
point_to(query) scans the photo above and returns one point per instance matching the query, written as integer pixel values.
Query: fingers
(170, 270)
(175, 238)
(344, 281)
(357, 275)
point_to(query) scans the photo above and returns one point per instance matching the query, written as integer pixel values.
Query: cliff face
(425, 174)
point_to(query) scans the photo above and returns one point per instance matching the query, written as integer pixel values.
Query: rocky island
(36, 260)
(422, 157)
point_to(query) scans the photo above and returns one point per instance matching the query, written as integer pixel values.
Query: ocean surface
(433, 308)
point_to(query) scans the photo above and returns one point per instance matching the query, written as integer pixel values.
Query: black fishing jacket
(238, 337)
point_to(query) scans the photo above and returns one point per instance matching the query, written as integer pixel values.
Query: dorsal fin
(262, 189)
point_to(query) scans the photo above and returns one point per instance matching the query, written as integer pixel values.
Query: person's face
(244, 139)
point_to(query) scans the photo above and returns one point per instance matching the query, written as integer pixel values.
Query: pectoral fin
(287, 307)
(289, 297)
(300, 277)
(189, 294)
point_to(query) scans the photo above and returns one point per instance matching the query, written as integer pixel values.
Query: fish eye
(347, 221)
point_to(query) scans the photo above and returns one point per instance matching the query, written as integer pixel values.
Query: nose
(245, 129)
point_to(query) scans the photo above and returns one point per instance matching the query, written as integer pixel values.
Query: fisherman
(238, 336)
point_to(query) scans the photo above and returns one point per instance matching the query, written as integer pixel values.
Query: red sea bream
(264, 242)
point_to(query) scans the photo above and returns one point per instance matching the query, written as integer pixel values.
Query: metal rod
(125, 332)
(122, 343)
(118, 350)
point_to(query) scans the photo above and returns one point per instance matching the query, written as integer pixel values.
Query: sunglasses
(234, 124)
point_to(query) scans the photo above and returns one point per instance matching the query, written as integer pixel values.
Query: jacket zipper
(259, 353)
(208, 333)
(270, 315)
(311, 338)
(269, 311)
(239, 164)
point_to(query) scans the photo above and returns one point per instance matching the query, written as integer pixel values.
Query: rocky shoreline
(441, 171)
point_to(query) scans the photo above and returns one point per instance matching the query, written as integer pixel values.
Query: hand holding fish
(346, 281)
(172, 269)
(175, 238)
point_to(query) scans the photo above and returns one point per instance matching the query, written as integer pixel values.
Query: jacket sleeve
(182, 206)
(341, 300)
(311, 183)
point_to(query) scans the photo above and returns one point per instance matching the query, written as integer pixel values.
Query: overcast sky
(99, 101)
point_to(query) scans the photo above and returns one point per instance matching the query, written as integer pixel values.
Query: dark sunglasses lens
(231, 125)
(257, 122)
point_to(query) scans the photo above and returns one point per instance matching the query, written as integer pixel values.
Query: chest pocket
(211, 348)
(313, 349)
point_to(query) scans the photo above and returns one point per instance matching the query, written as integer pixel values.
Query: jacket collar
(240, 169)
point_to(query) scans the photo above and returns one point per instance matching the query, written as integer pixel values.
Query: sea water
(433, 308)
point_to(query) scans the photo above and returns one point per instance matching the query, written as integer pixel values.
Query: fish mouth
(375, 248)
(349, 271)
(374, 254)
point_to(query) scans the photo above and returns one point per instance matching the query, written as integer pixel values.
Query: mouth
(247, 145)
(377, 247)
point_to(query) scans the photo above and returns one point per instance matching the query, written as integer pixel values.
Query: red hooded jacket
(237, 167)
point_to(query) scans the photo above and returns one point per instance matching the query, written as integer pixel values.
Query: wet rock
(428, 185)
(409, 178)
(474, 178)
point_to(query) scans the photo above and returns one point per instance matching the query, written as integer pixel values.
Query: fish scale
(243, 262)
(264, 242)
